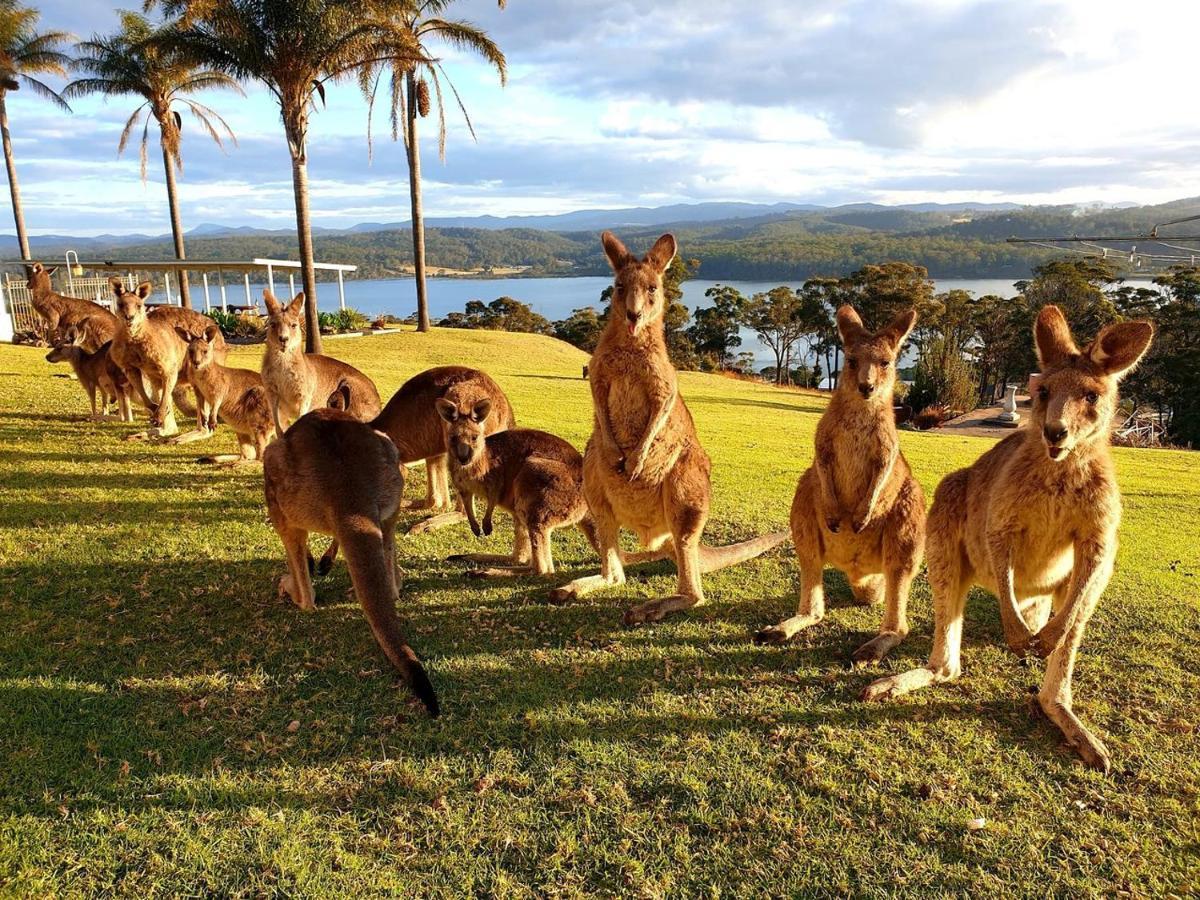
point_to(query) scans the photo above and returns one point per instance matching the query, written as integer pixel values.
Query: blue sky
(619, 104)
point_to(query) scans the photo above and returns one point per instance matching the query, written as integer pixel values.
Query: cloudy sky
(667, 101)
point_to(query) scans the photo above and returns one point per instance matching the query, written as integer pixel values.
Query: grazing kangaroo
(644, 467)
(58, 311)
(336, 475)
(296, 381)
(412, 421)
(1034, 520)
(532, 475)
(858, 506)
(153, 354)
(95, 371)
(233, 396)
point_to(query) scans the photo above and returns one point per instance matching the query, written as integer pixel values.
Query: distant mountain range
(748, 241)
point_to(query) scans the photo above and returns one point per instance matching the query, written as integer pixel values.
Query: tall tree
(410, 79)
(24, 53)
(130, 63)
(775, 317)
(714, 329)
(293, 48)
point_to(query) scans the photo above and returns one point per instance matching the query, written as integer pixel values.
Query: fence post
(207, 302)
(6, 319)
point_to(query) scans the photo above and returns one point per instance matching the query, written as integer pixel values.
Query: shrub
(929, 417)
(342, 321)
(942, 378)
(246, 325)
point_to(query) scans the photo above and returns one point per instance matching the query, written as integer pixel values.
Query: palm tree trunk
(185, 296)
(414, 193)
(312, 338)
(13, 187)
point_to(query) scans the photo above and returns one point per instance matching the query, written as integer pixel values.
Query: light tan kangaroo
(96, 373)
(151, 351)
(336, 475)
(233, 396)
(411, 420)
(296, 381)
(534, 476)
(858, 506)
(644, 467)
(58, 311)
(1034, 521)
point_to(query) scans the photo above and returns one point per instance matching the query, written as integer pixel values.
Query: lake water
(553, 298)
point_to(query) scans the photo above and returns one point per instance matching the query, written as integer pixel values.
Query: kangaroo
(644, 467)
(412, 421)
(233, 396)
(336, 475)
(95, 371)
(858, 506)
(58, 311)
(153, 355)
(1034, 521)
(532, 475)
(297, 381)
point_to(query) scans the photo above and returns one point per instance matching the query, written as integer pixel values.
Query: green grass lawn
(168, 726)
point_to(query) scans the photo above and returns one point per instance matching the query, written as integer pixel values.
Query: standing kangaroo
(858, 506)
(95, 371)
(296, 381)
(150, 349)
(58, 311)
(336, 475)
(412, 421)
(644, 467)
(533, 475)
(233, 396)
(1034, 521)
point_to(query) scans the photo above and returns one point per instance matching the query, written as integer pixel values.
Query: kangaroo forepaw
(1043, 643)
(561, 595)
(833, 523)
(876, 649)
(487, 527)
(772, 635)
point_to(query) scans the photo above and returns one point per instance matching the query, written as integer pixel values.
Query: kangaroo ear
(273, 306)
(900, 327)
(184, 335)
(1052, 339)
(446, 409)
(481, 410)
(616, 252)
(72, 336)
(118, 286)
(51, 270)
(662, 252)
(340, 398)
(212, 332)
(144, 289)
(1117, 348)
(849, 325)
(297, 303)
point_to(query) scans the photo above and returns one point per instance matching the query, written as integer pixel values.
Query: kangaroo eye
(885, 364)
(1091, 397)
(1044, 393)
(654, 288)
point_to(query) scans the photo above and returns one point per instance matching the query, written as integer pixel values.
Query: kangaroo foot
(877, 648)
(573, 590)
(895, 685)
(433, 523)
(1089, 747)
(657, 610)
(500, 572)
(785, 630)
(287, 589)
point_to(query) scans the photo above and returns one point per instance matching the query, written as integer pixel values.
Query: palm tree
(25, 52)
(410, 80)
(131, 63)
(293, 48)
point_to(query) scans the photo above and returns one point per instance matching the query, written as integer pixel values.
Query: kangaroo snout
(866, 390)
(1055, 434)
(462, 452)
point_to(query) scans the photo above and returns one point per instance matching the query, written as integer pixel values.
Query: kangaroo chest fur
(856, 443)
(287, 379)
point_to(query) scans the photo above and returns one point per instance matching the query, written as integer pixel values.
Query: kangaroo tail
(714, 558)
(373, 578)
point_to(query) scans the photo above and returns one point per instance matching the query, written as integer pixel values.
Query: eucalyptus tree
(25, 53)
(293, 48)
(130, 62)
(411, 100)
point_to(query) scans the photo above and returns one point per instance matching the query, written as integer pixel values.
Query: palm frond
(465, 36)
(462, 106)
(142, 150)
(46, 92)
(130, 124)
(205, 114)
(441, 107)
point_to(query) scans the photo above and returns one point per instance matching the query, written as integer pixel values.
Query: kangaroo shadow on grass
(181, 669)
(802, 407)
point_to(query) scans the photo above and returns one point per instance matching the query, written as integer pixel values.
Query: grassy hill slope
(167, 725)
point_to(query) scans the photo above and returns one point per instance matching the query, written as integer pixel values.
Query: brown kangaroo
(233, 396)
(296, 381)
(58, 311)
(644, 467)
(1034, 521)
(95, 371)
(858, 506)
(411, 420)
(336, 475)
(534, 476)
(153, 355)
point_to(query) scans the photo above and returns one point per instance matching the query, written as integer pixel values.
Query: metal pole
(221, 282)
(271, 278)
(167, 282)
(207, 302)
(341, 290)
(291, 285)
(246, 276)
